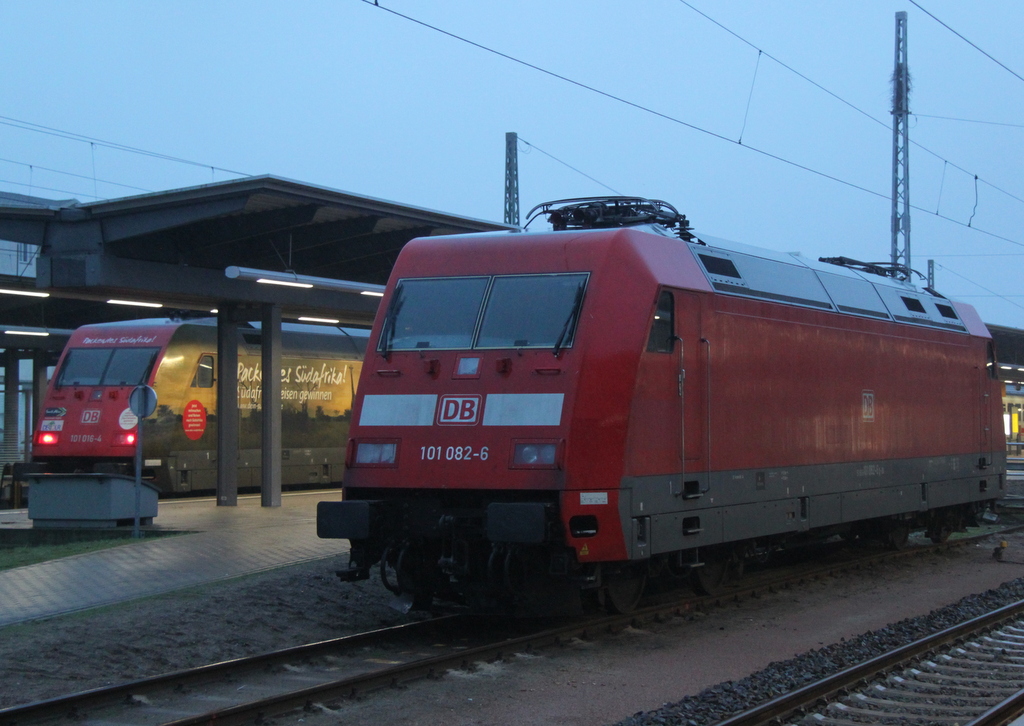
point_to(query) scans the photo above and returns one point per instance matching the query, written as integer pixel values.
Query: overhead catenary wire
(39, 128)
(967, 120)
(71, 135)
(620, 99)
(569, 166)
(942, 184)
(122, 147)
(839, 98)
(33, 167)
(976, 284)
(687, 124)
(973, 45)
(750, 95)
(983, 254)
(8, 195)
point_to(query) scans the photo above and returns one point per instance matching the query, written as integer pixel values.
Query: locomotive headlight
(535, 455)
(376, 453)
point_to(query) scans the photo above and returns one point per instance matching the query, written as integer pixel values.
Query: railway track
(314, 677)
(971, 673)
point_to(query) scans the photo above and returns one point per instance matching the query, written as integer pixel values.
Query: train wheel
(623, 592)
(943, 523)
(710, 578)
(416, 575)
(386, 561)
(718, 574)
(896, 535)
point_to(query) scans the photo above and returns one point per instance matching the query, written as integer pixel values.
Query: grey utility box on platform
(88, 500)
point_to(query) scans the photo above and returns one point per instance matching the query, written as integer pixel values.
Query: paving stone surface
(222, 542)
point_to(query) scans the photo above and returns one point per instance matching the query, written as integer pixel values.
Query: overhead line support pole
(900, 152)
(512, 178)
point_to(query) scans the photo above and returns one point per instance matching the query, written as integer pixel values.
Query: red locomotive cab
(489, 430)
(470, 404)
(461, 419)
(86, 413)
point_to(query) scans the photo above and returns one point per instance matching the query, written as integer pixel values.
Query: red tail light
(125, 439)
(47, 438)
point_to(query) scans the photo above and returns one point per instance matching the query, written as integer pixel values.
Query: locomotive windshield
(106, 366)
(505, 311)
(438, 313)
(531, 311)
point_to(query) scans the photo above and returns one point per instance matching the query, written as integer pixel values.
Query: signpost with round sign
(142, 403)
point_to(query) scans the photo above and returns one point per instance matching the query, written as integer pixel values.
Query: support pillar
(40, 361)
(227, 406)
(10, 440)
(270, 405)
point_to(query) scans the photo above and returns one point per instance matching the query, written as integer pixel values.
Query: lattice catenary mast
(512, 178)
(900, 152)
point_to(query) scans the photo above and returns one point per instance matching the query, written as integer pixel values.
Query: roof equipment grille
(606, 212)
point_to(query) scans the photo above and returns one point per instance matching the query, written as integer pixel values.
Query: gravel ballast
(584, 683)
(720, 701)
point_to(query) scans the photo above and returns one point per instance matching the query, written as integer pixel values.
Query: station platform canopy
(1009, 344)
(172, 248)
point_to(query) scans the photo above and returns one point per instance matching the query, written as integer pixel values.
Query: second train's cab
(86, 414)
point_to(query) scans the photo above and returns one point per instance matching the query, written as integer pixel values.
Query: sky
(710, 106)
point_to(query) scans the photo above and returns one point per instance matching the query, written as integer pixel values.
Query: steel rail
(76, 703)
(394, 677)
(312, 698)
(1002, 713)
(829, 686)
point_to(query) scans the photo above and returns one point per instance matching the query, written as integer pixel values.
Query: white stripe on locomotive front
(523, 409)
(398, 410)
(500, 409)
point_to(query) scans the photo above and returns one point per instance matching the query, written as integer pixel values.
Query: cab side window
(663, 330)
(204, 373)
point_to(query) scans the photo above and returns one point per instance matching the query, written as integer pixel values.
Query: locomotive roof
(793, 278)
(733, 268)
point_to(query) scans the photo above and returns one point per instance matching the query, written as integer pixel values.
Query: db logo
(90, 416)
(458, 410)
(867, 405)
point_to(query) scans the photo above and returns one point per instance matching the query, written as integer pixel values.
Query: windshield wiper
(569, 321)
(387, 335)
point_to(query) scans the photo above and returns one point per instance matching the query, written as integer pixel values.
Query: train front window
(84, 367)
(204, 373)
(532, 311)
(129, 366)
(433, 313)
(106, 366)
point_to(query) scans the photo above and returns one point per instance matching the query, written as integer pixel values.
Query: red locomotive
(547, 416)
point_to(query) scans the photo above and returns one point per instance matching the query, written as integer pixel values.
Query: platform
(221, 543)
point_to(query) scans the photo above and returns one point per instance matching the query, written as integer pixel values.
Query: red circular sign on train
(193, 419)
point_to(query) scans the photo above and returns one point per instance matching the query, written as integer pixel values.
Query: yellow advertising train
(86, 425)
